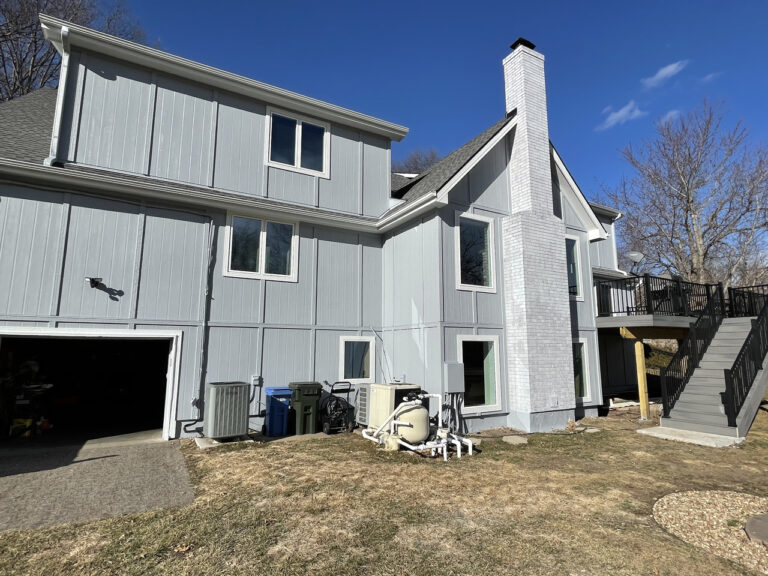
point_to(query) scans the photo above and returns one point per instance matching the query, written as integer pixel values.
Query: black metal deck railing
(701, 333)
(747, 301)
(741, 376)
(640, 295)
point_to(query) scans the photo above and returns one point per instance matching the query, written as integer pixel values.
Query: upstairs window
(474, 253)
(572, 261)
(297, 143)
(262, 249)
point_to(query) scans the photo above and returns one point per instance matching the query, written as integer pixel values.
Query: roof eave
(595, 231)
(446, 188)
(155, 59)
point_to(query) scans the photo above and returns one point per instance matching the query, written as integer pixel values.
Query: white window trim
(491, 249)
(325, 173)
(587, 377)
(372, 358)
(579, 296)
(461, 338)
(292, 277)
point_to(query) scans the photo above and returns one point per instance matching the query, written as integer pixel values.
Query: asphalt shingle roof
(26, 124)
(436, 176)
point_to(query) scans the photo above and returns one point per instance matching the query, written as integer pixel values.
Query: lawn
(562, 504)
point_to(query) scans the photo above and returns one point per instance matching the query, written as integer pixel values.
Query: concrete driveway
(43, 486)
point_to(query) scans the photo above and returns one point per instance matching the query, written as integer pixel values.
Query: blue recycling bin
(278, 408)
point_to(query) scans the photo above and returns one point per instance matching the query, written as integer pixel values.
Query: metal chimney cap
(523, 42)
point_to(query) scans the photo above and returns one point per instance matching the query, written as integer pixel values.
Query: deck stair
(700, 405)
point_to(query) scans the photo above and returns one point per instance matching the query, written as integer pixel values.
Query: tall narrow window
(572, 261)
(580, 370)
(356, 359)
(297, 143)
(481, 384)
(474, 253)
(261, 249)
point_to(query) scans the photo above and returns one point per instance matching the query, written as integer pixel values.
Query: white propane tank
(418, 419)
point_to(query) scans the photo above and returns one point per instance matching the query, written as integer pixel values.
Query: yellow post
(642, 383)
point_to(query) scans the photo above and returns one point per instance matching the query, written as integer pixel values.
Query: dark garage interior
(72, 389)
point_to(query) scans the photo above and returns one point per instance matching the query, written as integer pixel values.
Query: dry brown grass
(563, 504)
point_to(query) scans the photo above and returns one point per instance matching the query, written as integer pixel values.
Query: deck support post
(642, 382)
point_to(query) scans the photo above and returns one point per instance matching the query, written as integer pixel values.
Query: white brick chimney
(537, 304)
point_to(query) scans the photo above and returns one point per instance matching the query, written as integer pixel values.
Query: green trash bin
(305, 400)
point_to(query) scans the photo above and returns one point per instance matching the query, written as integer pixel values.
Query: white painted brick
(537, 305)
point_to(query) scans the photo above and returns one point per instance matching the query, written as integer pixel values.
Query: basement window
(297, 143)
(474, 253)
(479, 354)
(357, 359)
(262, 248)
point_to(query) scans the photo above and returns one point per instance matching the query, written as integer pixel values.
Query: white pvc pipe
(457, 443)
(394, 413)
(439, 407)
(369, 437)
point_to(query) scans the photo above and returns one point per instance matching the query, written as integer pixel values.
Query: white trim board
(174, 355)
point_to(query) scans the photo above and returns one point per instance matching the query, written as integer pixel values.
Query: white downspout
(63, 48)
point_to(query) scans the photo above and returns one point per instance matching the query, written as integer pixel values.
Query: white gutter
(408, 211)
(72, 179)
(105, 44)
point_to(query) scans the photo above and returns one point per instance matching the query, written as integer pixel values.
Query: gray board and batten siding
(156, 262)
(583, 309)
(424, 312)
(122, 117)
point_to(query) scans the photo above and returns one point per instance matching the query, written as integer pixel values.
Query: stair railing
(740, 377)
(690, 351)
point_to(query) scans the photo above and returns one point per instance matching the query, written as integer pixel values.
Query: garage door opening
(63, 389)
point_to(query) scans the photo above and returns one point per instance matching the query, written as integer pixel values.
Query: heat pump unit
(226, 409)
(375, 402)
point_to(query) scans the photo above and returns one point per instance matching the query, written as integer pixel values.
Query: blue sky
(613, 68)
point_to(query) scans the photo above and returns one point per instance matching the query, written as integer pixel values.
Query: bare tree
(417, 161)
(27, 60)
(696, 205)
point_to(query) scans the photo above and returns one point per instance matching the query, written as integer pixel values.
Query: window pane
(312, 146)
(283, 143)
(357, 362)
(573, 272)
(278, 255)
(579, 379)
(479, 373)
(474, 237)
(246, 234)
